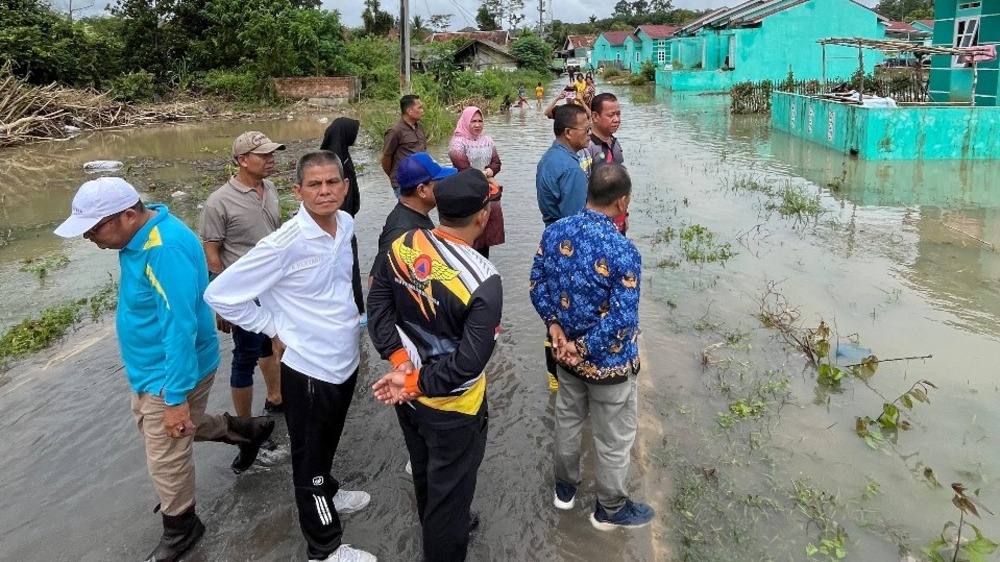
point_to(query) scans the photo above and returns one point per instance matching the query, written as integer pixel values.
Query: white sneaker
(348, 554)
(348, 501)
(409, 467)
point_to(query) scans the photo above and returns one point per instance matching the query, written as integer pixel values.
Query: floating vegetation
(41, 266)
(699, 245)
(795, 201)
(34, 334)
(890, 421)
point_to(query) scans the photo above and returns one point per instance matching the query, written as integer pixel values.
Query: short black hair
(407, 101)
(564, 117)
(139, 206)
(316, 158)
(597, 103)
(608, 183)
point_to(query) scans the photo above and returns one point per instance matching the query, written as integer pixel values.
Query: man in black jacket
(434, 313)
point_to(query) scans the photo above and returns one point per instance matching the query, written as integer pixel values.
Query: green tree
(440, 22)
(376, 21)
(623, 8)
(485, 19)
(532, 52)
(660, 5)
(906, 10)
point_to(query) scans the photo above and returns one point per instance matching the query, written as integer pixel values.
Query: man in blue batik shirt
(585, 286)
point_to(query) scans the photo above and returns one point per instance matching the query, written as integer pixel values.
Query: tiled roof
(580, 41)
(616, 38)
(657, 31)
(750, 12)
(927, 23)
(899, 27)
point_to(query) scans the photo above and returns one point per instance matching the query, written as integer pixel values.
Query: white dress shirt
(302, 277)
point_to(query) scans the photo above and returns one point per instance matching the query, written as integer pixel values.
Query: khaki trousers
(170, 461)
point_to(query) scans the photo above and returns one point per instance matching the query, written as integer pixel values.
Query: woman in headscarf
(470, 148)
(338, 139)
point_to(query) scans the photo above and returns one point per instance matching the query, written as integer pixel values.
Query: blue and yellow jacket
(165, 329)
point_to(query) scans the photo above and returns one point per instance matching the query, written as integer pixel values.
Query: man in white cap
(166, 334)
(235, 217)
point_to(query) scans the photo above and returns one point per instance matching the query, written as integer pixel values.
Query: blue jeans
(248, 347)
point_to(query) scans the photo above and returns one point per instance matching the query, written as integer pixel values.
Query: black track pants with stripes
(315, 412)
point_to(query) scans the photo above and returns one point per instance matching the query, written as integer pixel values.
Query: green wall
(954, 84)
(785, 40)
(605, 52)
(903, 133)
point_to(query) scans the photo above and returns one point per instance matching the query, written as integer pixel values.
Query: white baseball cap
(95, 200)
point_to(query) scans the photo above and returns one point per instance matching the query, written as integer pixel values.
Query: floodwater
(900, 262)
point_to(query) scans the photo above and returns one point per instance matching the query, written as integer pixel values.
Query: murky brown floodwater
(892, 260)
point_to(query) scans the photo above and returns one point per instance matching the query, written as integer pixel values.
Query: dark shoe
(249, 435)
(272, 408)
(632, 515)
(180, 533)
(565, 496)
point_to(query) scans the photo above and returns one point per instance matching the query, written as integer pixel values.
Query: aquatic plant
(796, 202)
(33, 334)
(890, 420)
(699, 245)
(41, 266)
(972, 550)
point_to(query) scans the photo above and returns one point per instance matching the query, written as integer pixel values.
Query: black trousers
(445, 465)
(315, 412)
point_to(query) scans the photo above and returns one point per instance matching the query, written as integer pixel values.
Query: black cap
(462, 194)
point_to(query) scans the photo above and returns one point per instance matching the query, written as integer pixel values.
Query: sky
(464, 11)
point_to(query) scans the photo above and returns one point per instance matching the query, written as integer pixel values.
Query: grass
(34, 334)
(377, 116)
(795, 201)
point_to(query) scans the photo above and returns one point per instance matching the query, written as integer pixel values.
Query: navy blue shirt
(560, 184)
(585, 277)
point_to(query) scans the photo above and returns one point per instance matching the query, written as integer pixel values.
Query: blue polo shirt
(166, 332)
(560, 184)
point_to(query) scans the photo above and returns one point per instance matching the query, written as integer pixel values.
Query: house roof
(899, 27)
(488, 44)
(657, 31)
(579, 42)
(616, 38)
(750, 12)
(926, 23)
(499, 37)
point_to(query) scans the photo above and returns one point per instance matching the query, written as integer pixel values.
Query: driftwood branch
(911, 358)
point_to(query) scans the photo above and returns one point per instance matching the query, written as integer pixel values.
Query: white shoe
(346, 553)
(409, 467)
(348, 501)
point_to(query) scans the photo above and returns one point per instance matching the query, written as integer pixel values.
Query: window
(968, 5)
(637, 55)
(618, 56)
(966, 35)
(661, 57)
(661, 43)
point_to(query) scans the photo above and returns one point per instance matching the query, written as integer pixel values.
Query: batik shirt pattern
(585, 277)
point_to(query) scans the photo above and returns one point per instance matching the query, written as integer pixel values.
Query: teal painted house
(632, 50)
(652, 44)
(963, 23)
(927, 26)
(962, 121)
(764, 39)
(609, 49)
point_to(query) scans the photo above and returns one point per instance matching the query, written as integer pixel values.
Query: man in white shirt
(301, 274)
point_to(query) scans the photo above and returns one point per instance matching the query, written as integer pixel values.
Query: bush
(532, 52)
(638, 80)
(134, 86)
(242, 86)
(648, 71)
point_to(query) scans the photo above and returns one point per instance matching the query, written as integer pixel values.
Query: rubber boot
(248, 434)
(180, 533)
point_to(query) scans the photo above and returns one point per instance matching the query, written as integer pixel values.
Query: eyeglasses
(100, 224)
(588, 128)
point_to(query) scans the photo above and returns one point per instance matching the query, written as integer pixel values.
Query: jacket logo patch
(318, 481)
(422, 267)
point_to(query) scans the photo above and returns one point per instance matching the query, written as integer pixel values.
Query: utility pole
(541, 18)
(404, 46)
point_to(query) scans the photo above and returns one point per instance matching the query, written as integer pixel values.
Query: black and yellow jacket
(437, 301)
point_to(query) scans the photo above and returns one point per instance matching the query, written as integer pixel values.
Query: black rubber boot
(248, 435)
(180, 533)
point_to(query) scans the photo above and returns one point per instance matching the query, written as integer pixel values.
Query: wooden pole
(861, 73)
(404, 46)
(975, 78)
